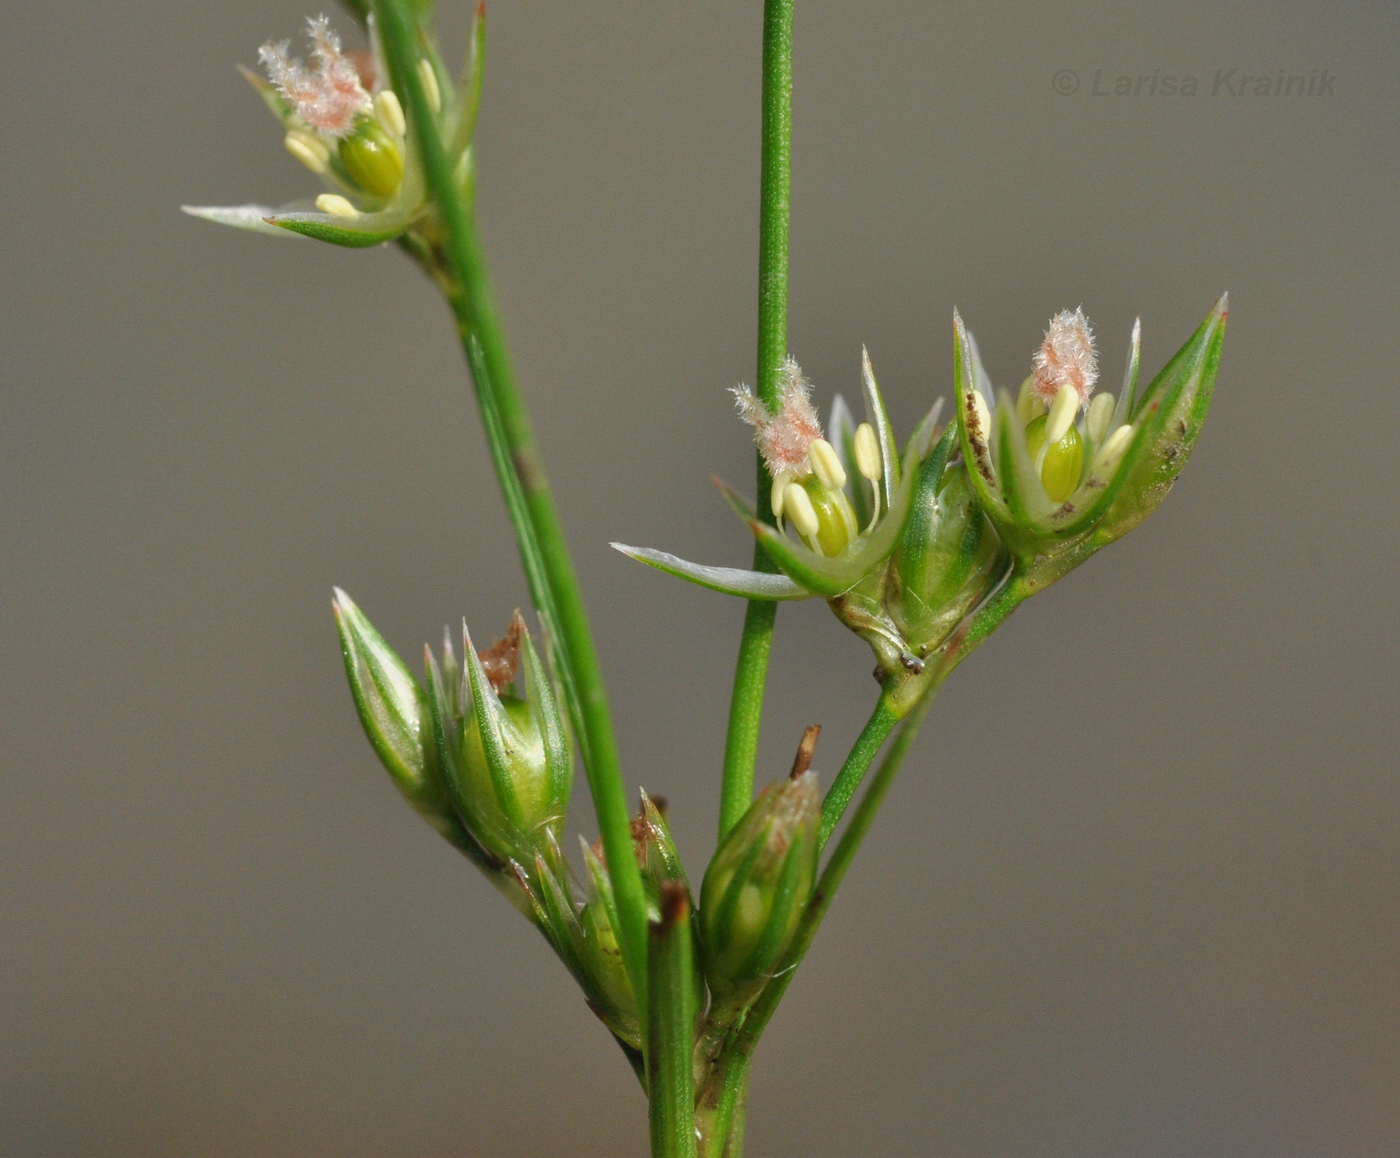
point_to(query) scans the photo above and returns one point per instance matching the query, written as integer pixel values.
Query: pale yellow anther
(799, 510)
(1062, 412)
(1028, 405)
(1100, 415)
(430, 85)
(390, 112)
(867, 450)
(310, 150)
(1112, 450)
(826, 464)
(780, 485)
(984, 416)
(336, 205)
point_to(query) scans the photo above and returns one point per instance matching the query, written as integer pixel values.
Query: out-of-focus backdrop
(1138, 890)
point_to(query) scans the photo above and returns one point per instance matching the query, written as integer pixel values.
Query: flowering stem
(867, 746)
(522, 477)
(775, 184)
(671, 1027)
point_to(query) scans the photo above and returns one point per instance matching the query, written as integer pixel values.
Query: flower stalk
(537, 524)
(774, 200)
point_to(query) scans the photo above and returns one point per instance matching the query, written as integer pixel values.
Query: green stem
(867, 746)
(671, 1027)
(513, 450)
(775, 185)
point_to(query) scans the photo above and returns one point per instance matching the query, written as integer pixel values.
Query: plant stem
(513, 450)
(873, 735)
(671, 1027)
(775, 186)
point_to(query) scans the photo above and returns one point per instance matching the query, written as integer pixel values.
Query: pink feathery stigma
(328, 97)
(783, 437)
(1066, 357)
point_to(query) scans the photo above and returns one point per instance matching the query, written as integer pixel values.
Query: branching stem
(522, 477)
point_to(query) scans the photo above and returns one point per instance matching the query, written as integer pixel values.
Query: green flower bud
(756, 888)
(610, 989)
(392, 709)
(373, 158)
(506, 757)
(656, 851)
(947, 561)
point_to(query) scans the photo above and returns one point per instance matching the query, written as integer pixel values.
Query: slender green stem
(514, 444)
(867, 746)
(671, 1027)
(775, 186)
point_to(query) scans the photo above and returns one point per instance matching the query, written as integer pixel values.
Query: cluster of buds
(480, 750)
(481, 753)
(904, 548)
(343, 122)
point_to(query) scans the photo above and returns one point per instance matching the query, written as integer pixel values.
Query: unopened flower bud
(611, 994)
(948, 558)
(757, 886)
(391, 707)
(511, 772)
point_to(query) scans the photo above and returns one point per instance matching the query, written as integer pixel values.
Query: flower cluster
(904, 547)
(343, 122)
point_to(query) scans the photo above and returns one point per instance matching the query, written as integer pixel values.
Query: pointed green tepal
(391, 707)
(508, 767)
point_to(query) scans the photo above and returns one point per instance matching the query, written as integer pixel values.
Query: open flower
(1061, 471)
(342, 121)
(845, 500)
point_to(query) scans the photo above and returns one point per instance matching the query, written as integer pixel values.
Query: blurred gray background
(1137, 892)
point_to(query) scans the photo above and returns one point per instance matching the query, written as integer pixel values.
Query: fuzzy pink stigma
(784, 437)
(329, 96)
(1065, 358)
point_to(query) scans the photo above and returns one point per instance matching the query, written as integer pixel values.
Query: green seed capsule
(756, 888)
(1064, 462)
(373, 159)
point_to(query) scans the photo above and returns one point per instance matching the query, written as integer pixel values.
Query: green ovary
(1064, 461)
(836, 524)
(373, 159)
